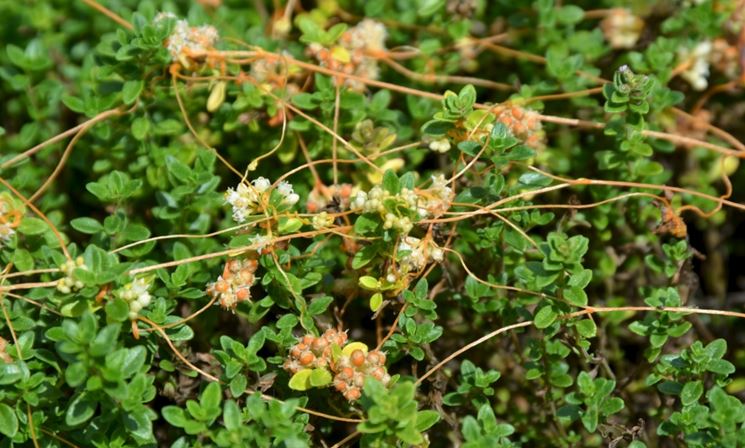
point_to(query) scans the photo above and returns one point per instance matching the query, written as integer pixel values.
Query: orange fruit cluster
(314, 352)
(350, 370)
(234, 285)
(523, 123)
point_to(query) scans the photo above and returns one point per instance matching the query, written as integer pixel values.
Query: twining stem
(585, 312)
(28, 153)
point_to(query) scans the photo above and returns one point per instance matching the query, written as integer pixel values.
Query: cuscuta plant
(282, 260)
(330, 360)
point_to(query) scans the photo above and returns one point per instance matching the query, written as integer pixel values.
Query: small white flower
(291, 199)
(359, 200)
(260, 242)
(185, 39)
(437, 254)
(6, 231)
(261, 184)
(442, 145)
(136, 294)
(135, 306)
(285, 188)
(698, 69)
(622, 28)
(144, 299)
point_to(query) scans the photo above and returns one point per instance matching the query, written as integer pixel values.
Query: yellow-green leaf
(370, 283)
(375, 301)
(301, 380)
(352, 346)
(217, 96)
(320, 377)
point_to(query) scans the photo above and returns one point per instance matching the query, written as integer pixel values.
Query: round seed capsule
(319, 345)
(307, 358)
(243, 294)
(378, 373)
(296, 351)
(358, 358)
(352, 394)
(222, 286)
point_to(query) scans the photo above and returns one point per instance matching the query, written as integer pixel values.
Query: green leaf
(425, 419)
(576, 296)
(80, 410)
(140, 127)
(10, 373)
(238, 385)
(231, 415)
(390, 182)
(117, 310)
(587, 328)
(319, 305)
(178, 169)
(23, 260)
(410, 435)
(8, 420)
(131, 90)
(569, 14)
(86, 225)
(365, 224)
(138, 422)
(32, 226)
(716, 349)
(174, 415)
(691, 392)
(437, 128)
(544, 317)
(211, 397)
(611, 406)
(102, 343)
(589, 419)
(534, 180)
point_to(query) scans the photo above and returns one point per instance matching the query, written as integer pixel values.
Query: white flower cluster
(697, 60)
(246, 198)
(441, 145)
(136, 294)
(234, 285)
(186, 40)
(415, 254)
(69, 283)
(8, 222)
(261, 242)
(368, 35)
(372, 201)
(6, 231)
(322, 221)
(353, 55)
(288, 193)
(622, 28)
(433, 201)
